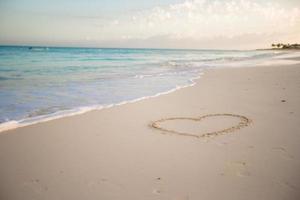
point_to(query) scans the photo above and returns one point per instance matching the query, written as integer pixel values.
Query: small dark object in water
(29, 48)
(283, 100)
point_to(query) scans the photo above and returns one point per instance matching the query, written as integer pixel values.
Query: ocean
(42, 83)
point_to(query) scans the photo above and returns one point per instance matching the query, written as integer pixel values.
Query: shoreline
(11, 125)
(27, 121)
(15, 124)
(115, 154)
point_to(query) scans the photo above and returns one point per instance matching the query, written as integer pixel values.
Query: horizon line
(141, 48)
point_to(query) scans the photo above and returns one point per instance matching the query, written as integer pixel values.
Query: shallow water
(40, 82)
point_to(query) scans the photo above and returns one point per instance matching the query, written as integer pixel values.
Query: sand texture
(235, 135)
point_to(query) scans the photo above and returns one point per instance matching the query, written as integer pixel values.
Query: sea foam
(42, 84)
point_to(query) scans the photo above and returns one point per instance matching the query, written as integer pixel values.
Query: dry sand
(115, 154)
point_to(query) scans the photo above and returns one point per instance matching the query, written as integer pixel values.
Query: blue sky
(226, 24)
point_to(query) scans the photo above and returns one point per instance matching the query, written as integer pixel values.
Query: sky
(192, 24)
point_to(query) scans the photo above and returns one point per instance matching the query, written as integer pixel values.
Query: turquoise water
(41, 82)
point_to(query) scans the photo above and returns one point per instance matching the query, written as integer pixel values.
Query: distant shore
(278, 49)
(281, 46)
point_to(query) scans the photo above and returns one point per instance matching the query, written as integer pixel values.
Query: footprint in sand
(283, 152)
(236, 168)
(36, 186)
(159, 186)
(103, 182)
(156, 191)
(289, 185)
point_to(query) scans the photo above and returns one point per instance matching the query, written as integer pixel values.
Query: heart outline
(244, 121)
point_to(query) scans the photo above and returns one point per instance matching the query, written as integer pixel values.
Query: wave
(143, 76)
(38, 48)
(183, 63)
(9, 125)
(100, 79)
(3, 78)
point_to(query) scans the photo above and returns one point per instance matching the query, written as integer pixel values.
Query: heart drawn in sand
(242, 122)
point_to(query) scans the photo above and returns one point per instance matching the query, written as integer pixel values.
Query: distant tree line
(286, 46)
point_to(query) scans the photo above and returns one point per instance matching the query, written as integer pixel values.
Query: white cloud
(198, 19)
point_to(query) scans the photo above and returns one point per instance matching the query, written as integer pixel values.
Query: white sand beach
(115, 154)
